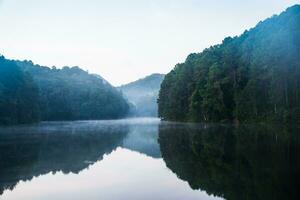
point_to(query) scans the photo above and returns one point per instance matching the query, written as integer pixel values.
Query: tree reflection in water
(248, 162)
(32, 151)
(245, 162)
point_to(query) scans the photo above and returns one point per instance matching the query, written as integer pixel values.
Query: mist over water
(145, 159)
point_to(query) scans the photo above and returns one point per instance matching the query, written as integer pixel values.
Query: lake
(148, 159)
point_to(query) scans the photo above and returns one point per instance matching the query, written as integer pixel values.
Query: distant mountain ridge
(151, 82)
(143, 94)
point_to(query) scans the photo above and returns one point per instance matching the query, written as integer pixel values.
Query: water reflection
(30, 151)
(249, 162)
(143, 139)
(147, 159)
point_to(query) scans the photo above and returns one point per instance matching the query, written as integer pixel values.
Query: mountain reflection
(27, 152)
(249, 162)
(143, 138)
(69, 147)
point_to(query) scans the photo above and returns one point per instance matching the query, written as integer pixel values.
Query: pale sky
(123, 40)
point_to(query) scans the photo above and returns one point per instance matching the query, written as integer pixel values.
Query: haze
(123, 40)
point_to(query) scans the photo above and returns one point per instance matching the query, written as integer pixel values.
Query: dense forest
(18, 95)
(30, 93)
(143, 95)
(251, 78)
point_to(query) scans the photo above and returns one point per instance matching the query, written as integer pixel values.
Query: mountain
(33, 92)
(143, 95)
(251, 78)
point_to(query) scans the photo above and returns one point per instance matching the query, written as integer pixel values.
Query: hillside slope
(31, 93)
(18, 95)
(253, 77)
(74, 94)
(143, 95)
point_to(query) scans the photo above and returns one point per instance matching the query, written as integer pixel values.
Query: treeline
(250, 78)
(30, 93)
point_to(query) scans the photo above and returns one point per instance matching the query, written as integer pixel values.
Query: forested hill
(250, 78)
(32, 93)
(18, 95)
(143, 95)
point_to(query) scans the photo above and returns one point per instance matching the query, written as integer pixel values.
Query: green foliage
(29, 93)
(18, 95)
(74, 94)
(254, 77)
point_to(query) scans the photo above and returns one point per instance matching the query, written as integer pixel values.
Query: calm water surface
(148, 159)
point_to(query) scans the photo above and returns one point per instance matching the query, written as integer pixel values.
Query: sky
(123, 40)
